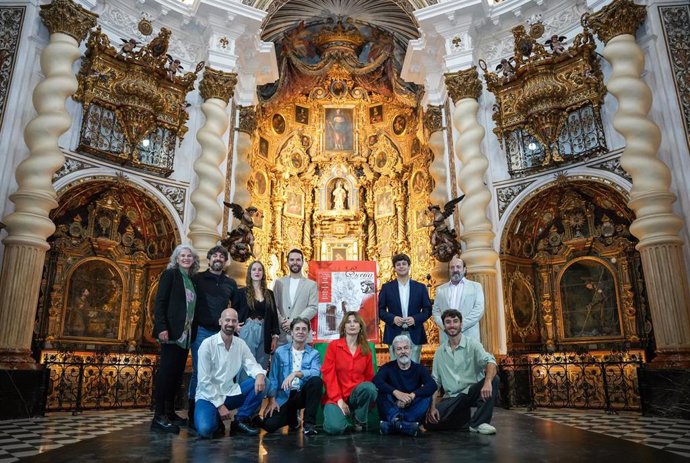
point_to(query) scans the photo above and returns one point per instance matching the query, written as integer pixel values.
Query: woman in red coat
(347, 371)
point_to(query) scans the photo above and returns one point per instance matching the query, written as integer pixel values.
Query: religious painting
(339, 133)
(381, 159)
(399, 124)
(418, 182)
(301, 115)
(421, 219)
(522, 304)
(384, 203)
(376, 114)
(263, 147)
(260, 183)
(589, 303)
(339, 88)
(278, 124)
(338, 254)
(344, 286)
(94, 301)
(294, 204)
(416, 147)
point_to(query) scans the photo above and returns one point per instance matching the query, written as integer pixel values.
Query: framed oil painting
(376, 114)
(301, 115)
(383, 204)
(294, 204)
(589, 301)
(339, 129)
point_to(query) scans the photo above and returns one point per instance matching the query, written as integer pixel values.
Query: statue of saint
(339, 196)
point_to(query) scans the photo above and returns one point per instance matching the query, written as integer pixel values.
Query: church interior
(349, 129)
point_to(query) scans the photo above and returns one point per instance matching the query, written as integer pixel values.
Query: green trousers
(360, 401)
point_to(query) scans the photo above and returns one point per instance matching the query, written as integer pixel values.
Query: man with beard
(294, 382)
(405, 390)
(460, 294)
(467, 374)
(221, 356)
(215, 293)
(404, 306)
(295, 295)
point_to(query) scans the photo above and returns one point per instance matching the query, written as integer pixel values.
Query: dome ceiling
(394, 16)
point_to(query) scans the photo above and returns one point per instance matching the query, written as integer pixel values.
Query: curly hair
(176, 253)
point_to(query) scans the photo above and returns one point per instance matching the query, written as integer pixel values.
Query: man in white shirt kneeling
(220, 358)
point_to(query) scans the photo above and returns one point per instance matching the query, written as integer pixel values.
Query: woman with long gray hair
(172, 326)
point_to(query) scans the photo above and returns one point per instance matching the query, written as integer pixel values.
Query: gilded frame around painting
(339, 132)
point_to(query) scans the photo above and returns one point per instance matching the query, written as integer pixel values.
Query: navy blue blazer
(419, 308)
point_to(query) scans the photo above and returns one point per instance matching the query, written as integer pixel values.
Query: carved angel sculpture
(240, 241)
(444, 241)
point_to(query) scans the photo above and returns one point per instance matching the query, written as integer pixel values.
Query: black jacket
(170, 307)
(271, 326)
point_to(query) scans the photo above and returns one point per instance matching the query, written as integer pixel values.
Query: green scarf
(190, 294)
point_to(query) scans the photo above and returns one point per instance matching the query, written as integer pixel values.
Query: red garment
(342, 372)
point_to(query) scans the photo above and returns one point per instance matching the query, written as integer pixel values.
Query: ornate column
(479, 256)
(243, 169)
(440, 194)
(29, 225)
(216, 88)
(656, 225)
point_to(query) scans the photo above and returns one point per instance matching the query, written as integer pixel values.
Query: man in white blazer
(296, 296)
(459, 294)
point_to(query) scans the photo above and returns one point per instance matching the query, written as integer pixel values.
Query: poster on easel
(344, 286)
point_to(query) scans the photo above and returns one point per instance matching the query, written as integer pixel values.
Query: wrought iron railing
(605, 381)
(93, 381)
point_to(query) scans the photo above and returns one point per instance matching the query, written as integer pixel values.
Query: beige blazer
(304, 305)
(471, 308)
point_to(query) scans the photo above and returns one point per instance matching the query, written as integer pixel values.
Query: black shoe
(409, 428)
(243, 427)
(310, 429)
(176, 419)
(161, 423)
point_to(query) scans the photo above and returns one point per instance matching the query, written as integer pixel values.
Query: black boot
(173, 417)
(190, 413)
(161, 423)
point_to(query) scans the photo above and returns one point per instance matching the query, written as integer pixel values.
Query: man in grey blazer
(459, 294)
(295, 295)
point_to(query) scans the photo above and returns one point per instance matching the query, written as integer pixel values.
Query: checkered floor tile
(662, 433)
(27, 437)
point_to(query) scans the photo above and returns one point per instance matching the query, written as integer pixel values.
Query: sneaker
(409, 428)
(310, 430)
(484, 428)
(386, 427)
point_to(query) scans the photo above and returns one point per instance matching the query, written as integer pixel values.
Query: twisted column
(216, 89)
(656, 225)
(479, 255)
(29, 225)
(439, 172)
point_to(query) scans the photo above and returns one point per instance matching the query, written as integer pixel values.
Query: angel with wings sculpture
(240, 241)
(444, 241)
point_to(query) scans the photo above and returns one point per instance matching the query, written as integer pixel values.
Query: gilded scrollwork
(65, 16)
(217, 84)
(464, 84)
(617, 18)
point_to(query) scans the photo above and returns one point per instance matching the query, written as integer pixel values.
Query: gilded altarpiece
(571, 274)
(111, 243)
(340, 159)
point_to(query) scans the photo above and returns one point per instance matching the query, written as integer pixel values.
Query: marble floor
(539, 436)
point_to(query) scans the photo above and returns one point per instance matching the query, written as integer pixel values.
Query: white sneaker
(484, 428)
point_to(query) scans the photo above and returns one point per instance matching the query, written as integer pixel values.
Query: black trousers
(170, 370)
(307, 398)
(455, 411)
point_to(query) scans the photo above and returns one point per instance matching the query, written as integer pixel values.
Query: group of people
(233, 333)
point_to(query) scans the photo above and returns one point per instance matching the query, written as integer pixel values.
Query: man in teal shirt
(467, 374)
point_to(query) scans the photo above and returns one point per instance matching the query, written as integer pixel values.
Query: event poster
(344, 286)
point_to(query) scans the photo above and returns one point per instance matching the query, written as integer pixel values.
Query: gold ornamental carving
(464, 84)
(140, 84)
(538, 87)
(433, 119)
(617, 18)
(247, 119)
(67, 17)
(217, 84)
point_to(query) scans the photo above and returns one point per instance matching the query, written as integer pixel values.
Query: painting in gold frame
(294, 204)
(339, 129)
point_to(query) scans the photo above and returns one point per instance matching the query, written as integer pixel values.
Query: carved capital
(433, 119)
(247, 119)
(464, 84)
(618, 18)
(217, 84)
(67, 17)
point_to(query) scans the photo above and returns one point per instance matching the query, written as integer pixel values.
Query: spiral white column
(656, 225)
(479, 255)
(216, 89)
(29, 225)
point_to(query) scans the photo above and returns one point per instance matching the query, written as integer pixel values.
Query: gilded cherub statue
(444, 241)
(240, 241)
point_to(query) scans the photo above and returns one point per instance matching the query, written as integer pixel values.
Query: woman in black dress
(256, 308)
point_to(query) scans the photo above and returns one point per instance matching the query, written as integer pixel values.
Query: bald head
(228, 321)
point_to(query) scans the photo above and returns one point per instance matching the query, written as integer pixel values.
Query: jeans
(207, 419)
(389, 410)
(201, 334)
